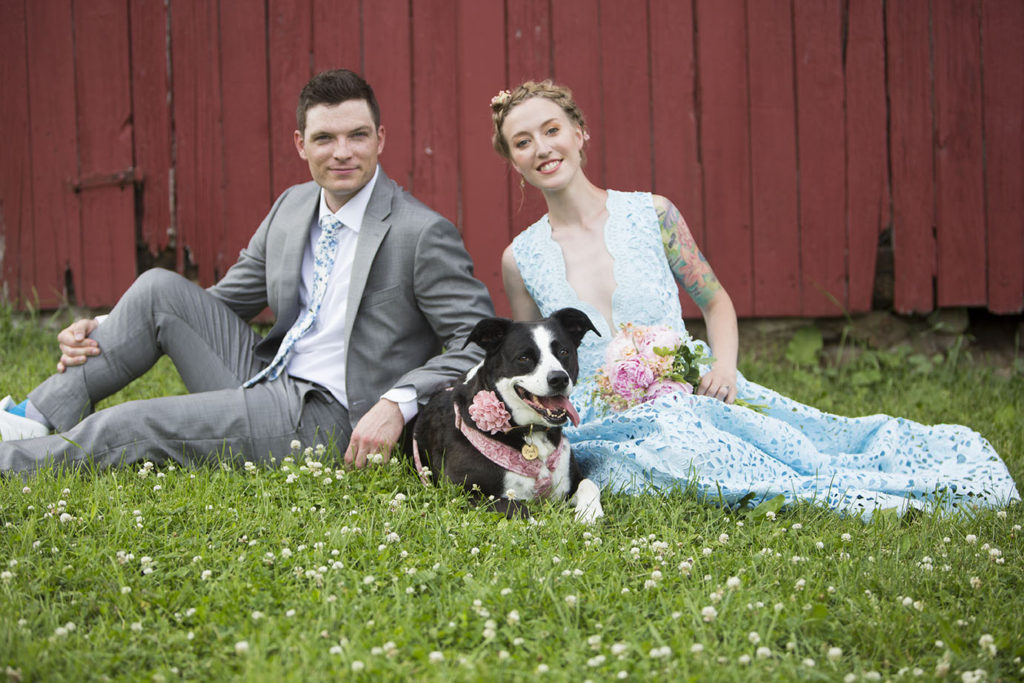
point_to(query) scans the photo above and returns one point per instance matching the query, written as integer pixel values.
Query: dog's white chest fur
(525, 488)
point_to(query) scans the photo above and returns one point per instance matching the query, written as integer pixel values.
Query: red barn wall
(792, 134)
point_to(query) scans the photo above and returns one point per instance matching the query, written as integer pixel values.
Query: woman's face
(544, 144)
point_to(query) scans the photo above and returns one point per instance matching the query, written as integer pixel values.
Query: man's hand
(376, 432)
(75, 345)
(718, 383)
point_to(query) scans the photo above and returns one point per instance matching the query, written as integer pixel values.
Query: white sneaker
(13, 427)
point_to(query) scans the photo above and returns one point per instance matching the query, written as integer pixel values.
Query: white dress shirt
(320, 356)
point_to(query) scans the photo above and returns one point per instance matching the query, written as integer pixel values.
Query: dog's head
(532, 366)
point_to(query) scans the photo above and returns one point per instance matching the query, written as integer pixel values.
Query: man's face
(341, 144)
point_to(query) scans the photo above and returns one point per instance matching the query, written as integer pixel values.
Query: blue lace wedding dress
(856, 465)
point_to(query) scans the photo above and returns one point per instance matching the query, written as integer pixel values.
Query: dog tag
(530, 452)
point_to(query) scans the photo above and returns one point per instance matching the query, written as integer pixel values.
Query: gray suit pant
(212, 348)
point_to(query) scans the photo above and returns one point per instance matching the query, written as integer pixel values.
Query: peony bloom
(489, 413)
(663, 387)
(630, 378)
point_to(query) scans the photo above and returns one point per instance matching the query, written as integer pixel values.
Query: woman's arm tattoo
(688, 265)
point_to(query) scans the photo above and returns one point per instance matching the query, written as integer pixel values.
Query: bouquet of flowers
(644, 362)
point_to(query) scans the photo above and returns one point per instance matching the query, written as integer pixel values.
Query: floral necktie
(323, 262)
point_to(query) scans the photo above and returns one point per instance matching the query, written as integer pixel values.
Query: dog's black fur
(534, 384)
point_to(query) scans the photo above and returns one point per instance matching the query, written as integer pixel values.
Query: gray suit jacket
(412, 291)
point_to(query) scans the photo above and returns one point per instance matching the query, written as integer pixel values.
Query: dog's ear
(489, 333)
(575, 322)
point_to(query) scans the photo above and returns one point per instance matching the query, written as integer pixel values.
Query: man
(367, 285)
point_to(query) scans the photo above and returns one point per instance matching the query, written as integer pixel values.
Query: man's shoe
(14, 427)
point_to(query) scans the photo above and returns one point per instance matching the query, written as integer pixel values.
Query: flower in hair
(501, 98)
(489, 413)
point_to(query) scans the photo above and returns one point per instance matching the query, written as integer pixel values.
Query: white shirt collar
(351, 213)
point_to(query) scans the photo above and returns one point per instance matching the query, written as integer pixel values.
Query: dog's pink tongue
(561, 403)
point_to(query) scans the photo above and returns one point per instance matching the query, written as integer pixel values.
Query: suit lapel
(375, 226)
(292, 251)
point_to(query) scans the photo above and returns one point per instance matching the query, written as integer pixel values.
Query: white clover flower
(846, 538)
(436, 657)
(65, 518)
(596, 661)
(763, 652)
(800, 584)
(971, 538)
(744, 659)
(125, 590)
(709, 613)
(571, 600)
(723, 538)
(206, 575)
(733, 583)
(543, 668)
(696, 648)
(770, 516)
(660, 652)
(834, 654)
(358, 666)
(392, 538)
(988, 643)
(242, 647)
(808, 662)
(512, 618)
(6, 576)
(754, 637)
(797, 527)
(618, 649)
(375, 458)
(975, 582)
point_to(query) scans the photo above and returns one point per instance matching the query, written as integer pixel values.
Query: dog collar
(510, 459)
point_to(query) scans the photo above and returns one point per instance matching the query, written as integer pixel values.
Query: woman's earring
(522, 182)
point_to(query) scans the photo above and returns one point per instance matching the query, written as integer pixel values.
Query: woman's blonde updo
(504, 101)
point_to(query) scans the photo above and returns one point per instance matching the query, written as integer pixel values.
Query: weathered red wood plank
(151, 120)
(290, 41)
(677, 169)
(16, 169)
(247, 190)
(529, 45)
(337, 39)
(55, 231)
(1003, 47)
(575, 56)
(910, 90)
(725, 148)
(388, 68)
(625, 75)
(105, 266)
(821, 157)
(435, 155)
(776, 235)
(959, 173)
(867, 179)
(485, 221)
(198, 176)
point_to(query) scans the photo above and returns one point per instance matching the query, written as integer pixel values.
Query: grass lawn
(308, 572)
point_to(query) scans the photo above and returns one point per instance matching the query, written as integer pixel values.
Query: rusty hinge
(118, 179)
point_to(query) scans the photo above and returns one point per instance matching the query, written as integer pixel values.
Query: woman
(617, 256)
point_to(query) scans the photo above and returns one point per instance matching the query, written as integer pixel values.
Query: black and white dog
(498, 431)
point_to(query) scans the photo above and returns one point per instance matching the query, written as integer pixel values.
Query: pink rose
(662, 388)
(630, 377)
(489, 413)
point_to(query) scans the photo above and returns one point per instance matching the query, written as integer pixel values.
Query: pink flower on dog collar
(488, 412)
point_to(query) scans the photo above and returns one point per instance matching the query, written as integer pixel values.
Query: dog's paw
(587, 501)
